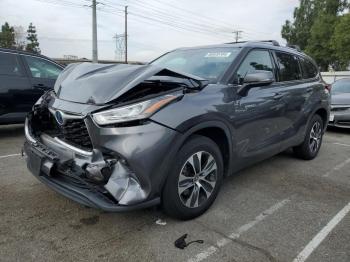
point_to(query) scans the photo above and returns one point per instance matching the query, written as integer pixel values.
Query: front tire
(313, 140)
(194, 180)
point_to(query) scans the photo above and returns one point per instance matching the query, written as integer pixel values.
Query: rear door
(43, 74)
(295, 90)
(258, 113)
(14, 89)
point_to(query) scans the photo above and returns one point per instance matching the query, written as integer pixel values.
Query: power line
(157, 21)
(146, 9)
(161, 21)
(207, 19)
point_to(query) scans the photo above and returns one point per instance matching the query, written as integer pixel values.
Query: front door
(259, 112)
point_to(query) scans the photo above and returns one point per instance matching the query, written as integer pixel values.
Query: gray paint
(264, 122)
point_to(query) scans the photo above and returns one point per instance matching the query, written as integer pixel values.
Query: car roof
(15, 51)
(252, 44)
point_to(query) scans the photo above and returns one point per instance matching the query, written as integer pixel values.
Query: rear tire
(194, 180)
(313, 140)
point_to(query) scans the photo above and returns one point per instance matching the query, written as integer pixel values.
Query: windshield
(208, 63)
(341, 86)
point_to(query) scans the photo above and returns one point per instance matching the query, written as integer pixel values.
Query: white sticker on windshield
(218, 54)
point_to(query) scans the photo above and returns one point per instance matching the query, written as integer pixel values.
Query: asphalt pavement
(282, 209)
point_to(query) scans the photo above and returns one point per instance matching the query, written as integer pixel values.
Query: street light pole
(126, 34)
(94, 33)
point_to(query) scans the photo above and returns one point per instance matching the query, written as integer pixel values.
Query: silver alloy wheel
(197, 179)
(315, 137)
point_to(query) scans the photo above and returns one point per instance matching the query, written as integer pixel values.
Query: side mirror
(257, 78)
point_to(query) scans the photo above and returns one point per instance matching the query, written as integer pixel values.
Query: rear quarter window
(9, 65)
(288, 65)
(308, 68)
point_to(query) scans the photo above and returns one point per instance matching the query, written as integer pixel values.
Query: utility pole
(237, 34)
(126, 34)
(94, 33)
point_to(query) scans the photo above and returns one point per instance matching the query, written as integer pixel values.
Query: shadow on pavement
(337, 130)
(8, 131)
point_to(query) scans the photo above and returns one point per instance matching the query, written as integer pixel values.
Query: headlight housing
(132, 112)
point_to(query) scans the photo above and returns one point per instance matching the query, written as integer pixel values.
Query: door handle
(309, 90)
(278, 96)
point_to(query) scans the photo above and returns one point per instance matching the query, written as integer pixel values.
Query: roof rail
(273, 42)
(296, 47)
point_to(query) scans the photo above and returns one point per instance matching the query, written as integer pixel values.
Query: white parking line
(316, 241)
(337, 167)
(5, 156)
(224, 241)
(340, 144)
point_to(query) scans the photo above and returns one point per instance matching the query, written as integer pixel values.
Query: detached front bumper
(84, 196)
(142, 156)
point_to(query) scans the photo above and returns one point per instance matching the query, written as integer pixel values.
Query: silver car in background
(340, 109)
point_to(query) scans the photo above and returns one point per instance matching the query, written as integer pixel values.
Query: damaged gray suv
(123, 137)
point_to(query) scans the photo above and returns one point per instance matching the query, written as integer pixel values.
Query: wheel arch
(323, 113)
(220, 133)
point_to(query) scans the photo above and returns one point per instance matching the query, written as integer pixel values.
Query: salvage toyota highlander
(123, 137)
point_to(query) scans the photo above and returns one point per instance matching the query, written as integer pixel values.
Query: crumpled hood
(101, 83)
(341, 99)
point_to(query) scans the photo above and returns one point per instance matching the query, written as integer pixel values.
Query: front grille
(74, 131)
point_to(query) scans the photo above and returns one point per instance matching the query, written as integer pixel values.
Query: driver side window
(254, 61)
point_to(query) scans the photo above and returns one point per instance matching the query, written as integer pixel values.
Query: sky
(64, 27)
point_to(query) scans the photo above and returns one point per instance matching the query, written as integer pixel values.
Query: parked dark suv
(24, 77)
(122, 137)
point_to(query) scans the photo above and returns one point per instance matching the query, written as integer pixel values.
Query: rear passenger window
(9, 65)
(41, 68)
(288, 67)
(308, 68)
(255, 60)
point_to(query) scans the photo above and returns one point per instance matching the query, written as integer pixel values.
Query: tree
(298, 31)
(341, 41)
(319, 44)
(313, 26)
(32, 40)
(7, 36)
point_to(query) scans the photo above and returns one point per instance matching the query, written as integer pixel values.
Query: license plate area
(40, 159)
(331, 118)
(34, 162)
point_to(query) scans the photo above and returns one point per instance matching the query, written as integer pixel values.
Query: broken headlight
(132, 112)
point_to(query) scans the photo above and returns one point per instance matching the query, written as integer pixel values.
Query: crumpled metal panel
(123, 187)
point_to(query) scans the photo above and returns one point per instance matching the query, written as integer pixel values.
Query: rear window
(308, 68)
(341, 86)
(9, 65)
(289, 69)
